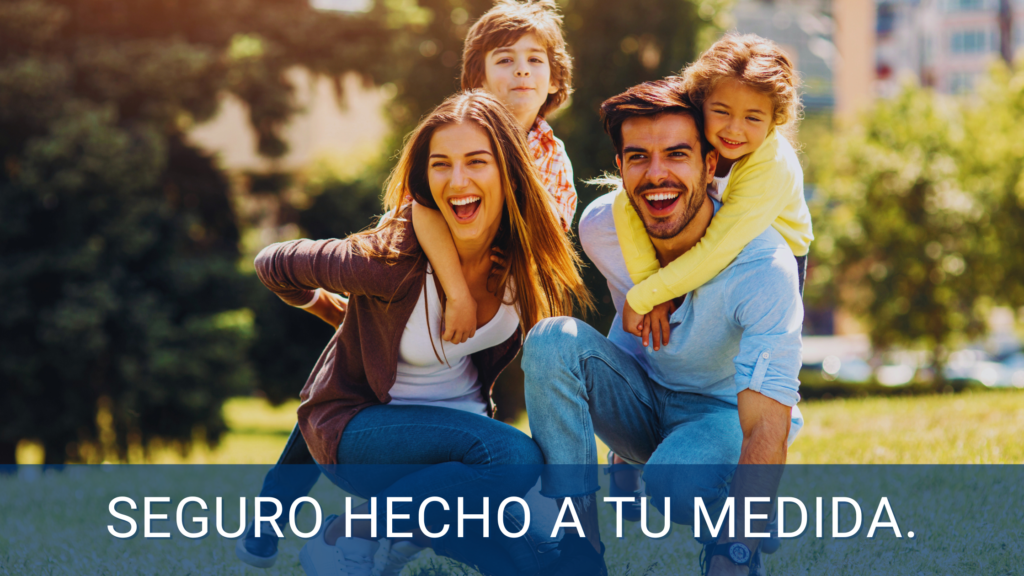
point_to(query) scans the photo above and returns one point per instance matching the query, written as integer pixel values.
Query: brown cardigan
(358, 367)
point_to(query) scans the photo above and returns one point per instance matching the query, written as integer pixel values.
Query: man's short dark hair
(651, 99)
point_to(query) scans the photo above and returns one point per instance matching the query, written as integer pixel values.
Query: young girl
(516, 52)
(746, 87)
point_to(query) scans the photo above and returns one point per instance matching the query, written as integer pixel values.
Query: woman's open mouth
(661, 203)
(465, 208)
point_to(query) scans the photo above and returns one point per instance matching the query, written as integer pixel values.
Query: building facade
(945, 44)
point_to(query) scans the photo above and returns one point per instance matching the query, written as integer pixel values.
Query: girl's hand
(657, 322)
(632, 322)
(459, 320)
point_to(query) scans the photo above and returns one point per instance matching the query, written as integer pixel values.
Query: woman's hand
(330, 308)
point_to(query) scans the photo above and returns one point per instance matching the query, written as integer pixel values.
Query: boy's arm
(761, 188)
(436, 240)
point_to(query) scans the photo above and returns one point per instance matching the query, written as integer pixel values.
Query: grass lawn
(970, 428)
(55, 522)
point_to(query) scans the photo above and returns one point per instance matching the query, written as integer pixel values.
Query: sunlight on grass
(969, 428)
(258, 433)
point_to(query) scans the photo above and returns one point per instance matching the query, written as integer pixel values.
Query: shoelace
(393, 561)
(353, 566)
(705, 558)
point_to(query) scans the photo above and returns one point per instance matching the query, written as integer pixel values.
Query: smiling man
(722, 392)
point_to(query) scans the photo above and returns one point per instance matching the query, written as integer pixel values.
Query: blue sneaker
(259, 552)
(630, 511)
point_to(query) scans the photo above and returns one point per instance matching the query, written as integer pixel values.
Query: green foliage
(125, 314)
(994, 158)
(918, 228)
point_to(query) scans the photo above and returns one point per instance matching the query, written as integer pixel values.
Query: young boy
(517, 52)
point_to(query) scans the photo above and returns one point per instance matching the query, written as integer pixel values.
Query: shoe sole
(252, 559)
(307, 563)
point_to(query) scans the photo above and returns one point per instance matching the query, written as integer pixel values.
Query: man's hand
(656, 322)
(632, 322)
(330, 308)
(459, 320)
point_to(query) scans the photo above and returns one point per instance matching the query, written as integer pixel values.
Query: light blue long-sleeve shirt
(739, 331)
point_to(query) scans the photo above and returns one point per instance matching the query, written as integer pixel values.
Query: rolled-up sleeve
(295, 270)
(770, 312)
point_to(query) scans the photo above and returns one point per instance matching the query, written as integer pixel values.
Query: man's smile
(661, 202)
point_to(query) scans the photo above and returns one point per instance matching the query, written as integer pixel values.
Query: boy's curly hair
(503, 25)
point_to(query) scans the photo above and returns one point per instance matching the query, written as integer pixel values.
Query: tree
(994, 158)
(124, 316)
(901, 238)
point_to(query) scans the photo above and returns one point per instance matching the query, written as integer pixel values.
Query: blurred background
(151, 148)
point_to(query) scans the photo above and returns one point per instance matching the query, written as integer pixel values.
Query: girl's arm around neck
(436, 240)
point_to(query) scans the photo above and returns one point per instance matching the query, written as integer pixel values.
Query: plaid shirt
(555, 170)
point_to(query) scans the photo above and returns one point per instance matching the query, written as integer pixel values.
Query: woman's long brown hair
(543, 265)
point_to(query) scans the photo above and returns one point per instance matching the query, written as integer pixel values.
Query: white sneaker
(392, 557)
(348, 557)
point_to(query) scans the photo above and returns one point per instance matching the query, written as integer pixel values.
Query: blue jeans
(578, 383)
(424, 451)
(293, 476)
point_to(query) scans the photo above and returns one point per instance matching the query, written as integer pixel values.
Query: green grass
(968, 428)
(55, 523)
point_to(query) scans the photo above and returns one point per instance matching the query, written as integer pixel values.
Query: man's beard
(693, 203)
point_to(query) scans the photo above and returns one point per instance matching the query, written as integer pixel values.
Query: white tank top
(453, 382)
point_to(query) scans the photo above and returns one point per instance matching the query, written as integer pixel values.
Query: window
(885, 19)
(966, 5)
(961, 82)
(969, 42)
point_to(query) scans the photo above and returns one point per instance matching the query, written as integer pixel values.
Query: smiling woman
(387, 389)
(471, 148)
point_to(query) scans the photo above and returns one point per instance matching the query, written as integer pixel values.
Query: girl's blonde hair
(543, 266)
(503, 25)
(754, 61)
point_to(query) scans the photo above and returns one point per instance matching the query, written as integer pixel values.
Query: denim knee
(519, 449)
(551, 341)
(682, 484)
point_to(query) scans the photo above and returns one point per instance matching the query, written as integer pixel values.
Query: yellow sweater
(766, 188)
